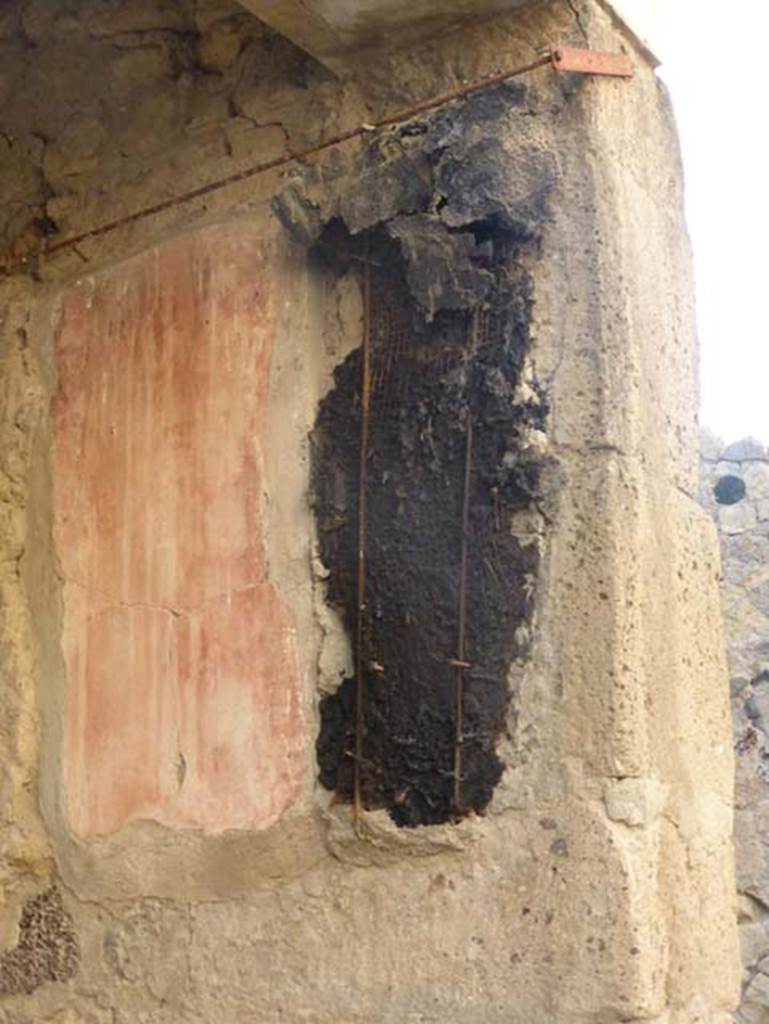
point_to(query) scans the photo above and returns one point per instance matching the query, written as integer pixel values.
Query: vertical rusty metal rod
(459, 663)
(361, 582)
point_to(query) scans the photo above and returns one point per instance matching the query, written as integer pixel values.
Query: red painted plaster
(182, 679)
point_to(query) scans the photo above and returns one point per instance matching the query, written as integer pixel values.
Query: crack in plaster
(578, 18)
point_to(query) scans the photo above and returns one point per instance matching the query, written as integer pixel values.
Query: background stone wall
(735, 488)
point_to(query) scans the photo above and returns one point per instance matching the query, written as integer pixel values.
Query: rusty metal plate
(592, 62)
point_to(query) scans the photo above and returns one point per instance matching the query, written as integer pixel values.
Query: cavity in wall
(419, 463)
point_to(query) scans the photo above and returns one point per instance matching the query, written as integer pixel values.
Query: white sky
(717, 75)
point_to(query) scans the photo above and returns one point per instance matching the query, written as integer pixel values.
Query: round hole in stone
(729, 490)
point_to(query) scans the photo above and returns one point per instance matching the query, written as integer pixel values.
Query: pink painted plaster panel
(182, 680)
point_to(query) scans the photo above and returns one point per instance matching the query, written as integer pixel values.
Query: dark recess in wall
(446, 228)
(729, 490)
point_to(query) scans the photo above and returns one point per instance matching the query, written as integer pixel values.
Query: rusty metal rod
(459, 661)
(361, 582)
(269, 165)
(464, 90)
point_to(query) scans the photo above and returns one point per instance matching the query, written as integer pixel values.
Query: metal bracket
(591, 62)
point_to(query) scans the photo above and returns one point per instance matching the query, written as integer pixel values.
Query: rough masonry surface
(735, 489)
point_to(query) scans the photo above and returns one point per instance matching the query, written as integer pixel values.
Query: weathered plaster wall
(597, 887)
(735, 489)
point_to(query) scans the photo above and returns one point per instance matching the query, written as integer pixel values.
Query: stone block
(726, 467)
(711, 446)
(755, 1004)
(744, 450)
(116, 18)
(736, 518)
(140, 66)
(634, 802)
(219, 47)
(209, 12)
(756, 477)
(754, 941)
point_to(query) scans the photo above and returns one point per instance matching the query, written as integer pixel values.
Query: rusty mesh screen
(432, 504)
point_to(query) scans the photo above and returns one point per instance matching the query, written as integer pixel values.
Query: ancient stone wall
(735, 488)
(197, 824)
